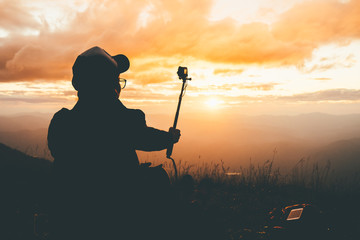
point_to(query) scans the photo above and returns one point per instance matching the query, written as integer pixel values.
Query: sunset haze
(245, 58)
(260, 57)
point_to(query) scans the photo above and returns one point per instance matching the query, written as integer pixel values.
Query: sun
(213, 103)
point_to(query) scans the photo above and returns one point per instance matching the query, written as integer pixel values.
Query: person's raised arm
(152, 139)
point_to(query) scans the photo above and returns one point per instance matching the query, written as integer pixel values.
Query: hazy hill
(17, 165)
(344, 155)
(24, 180)
(26, 132)
(32, 142)
(26, 187)
(233, 138)
(313, 126)
(18, 122)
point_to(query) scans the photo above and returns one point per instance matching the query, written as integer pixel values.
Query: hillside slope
(344, 155)
(23, 179)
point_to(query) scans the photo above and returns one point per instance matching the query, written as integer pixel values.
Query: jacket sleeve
(148, 138)
(57, 133)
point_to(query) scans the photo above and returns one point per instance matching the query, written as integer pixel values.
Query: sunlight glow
(239, 54)
(213, 103)
(3, 33)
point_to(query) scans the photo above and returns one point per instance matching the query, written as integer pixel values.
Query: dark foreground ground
(215, 211)
(211, 205)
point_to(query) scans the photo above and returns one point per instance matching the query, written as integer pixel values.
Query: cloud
(340, 94)
(147, 77)
(259, 87)
(15, 18)
(34, 99)
(327, 63)
(165, 29)
(314, 22)
(233, 90)
(322, 78)
(228, 72)
(331, 95)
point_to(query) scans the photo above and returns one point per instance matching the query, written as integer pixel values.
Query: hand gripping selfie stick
(182, 73)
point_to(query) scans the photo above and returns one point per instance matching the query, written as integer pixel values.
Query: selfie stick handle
(170, 148)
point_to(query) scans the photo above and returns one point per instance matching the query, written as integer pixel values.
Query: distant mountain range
(20, 164)
(23, 178)
(26, 132)
(233, 138)
(26, 188)
(32, 142)
(344, 155)
(29, 121)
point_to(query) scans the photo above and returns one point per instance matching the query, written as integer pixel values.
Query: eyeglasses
(122, 82)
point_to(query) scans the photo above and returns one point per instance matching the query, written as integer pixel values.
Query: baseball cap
(95, 66)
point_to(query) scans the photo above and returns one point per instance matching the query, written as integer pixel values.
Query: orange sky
(250, 57)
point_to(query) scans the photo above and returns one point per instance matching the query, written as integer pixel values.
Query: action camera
(182, 73)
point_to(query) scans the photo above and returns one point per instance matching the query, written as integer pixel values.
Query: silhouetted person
(98, 181)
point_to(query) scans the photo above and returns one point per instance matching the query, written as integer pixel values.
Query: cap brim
(122, 62)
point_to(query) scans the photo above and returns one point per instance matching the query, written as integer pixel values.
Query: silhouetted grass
(240, 201)
(221, 203)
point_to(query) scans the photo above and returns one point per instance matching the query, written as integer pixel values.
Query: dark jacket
(96, 166)
(101, 138)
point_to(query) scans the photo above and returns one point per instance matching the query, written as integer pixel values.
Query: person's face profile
(118, 90)
(121, 84)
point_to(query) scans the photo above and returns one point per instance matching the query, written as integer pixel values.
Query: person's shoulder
(133, 113)
(136, 117)
(57, 126)
(61, 114)
(136, 113)
(133, 117)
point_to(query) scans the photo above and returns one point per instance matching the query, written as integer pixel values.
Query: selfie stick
(182, 72)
